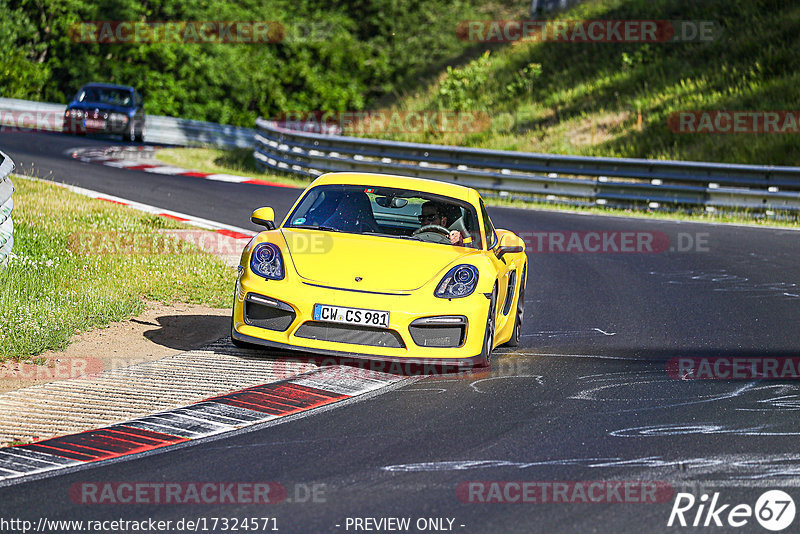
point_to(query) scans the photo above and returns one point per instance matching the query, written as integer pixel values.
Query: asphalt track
(586, 397)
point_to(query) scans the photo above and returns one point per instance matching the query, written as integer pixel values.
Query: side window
(138, 97)
(491, 235)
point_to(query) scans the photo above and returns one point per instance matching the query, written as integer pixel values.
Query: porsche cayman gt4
(382, 267)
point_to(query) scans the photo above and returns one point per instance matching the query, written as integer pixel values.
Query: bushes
(340, 57)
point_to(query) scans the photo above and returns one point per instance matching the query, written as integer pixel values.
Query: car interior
(384, 211)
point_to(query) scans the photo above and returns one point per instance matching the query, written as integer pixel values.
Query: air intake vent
(268, 313)
(442, 332)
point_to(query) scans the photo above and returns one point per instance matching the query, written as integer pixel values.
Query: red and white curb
(213, 416)
(143, 159)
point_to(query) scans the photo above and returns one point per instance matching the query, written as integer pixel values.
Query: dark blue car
(108, 109)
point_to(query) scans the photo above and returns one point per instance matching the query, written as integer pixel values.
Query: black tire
(520, 314)
(485, 359)
(139, 135)
(129, 134)
(241, 344)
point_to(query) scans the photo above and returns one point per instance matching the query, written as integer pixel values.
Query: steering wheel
(433, 233)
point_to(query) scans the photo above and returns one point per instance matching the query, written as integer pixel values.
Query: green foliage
(464, 88)
(339, 56)
(641, 56)
(614, 99)
(523, 80)
(22, 73)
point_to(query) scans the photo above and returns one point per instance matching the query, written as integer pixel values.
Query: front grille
(269, 317)
(356, 335)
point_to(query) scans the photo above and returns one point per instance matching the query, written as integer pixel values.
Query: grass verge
(81, 264)
(614, 99)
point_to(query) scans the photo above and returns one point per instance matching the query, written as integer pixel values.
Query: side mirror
(264, 217)
(509, 244)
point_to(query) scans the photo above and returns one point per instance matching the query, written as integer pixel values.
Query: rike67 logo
(774, 510)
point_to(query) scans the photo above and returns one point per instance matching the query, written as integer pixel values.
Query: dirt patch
(158, 332)
(594, 130)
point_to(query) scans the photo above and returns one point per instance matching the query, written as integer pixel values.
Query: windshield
(103, 95)
(388, 212)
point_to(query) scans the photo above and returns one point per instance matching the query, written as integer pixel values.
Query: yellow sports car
(382, 267)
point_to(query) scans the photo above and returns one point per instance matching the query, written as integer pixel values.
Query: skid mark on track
(558, 334)
(723, 282)
(605, 333)
(787, 399)
(701, 428)
(737, 470)
(474, 385)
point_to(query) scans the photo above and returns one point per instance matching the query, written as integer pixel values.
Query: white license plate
(95, 123)
(359, 316)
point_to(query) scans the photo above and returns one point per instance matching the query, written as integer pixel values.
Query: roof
(107, 86)
(435, 187)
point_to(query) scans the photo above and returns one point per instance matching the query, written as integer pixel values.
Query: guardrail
(6, 207)
(23, 114)
(618, 182)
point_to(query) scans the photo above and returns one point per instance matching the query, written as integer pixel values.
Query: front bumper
(296, 329)
(102, 126)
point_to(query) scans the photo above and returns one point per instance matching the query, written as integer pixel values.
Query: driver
(433, 214)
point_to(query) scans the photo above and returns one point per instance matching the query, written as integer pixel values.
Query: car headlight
(460, 281)
(119, 117)
(76, 113)
(266, 261)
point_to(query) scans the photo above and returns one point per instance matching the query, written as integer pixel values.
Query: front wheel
(139, 135)
(129, 134)
(241, 344)
(520, 315)
(485, 359)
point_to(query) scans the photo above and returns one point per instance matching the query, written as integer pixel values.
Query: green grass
(612, 99)
(60, 283)
(237, 161)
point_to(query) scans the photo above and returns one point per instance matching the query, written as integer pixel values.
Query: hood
(384, 264)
